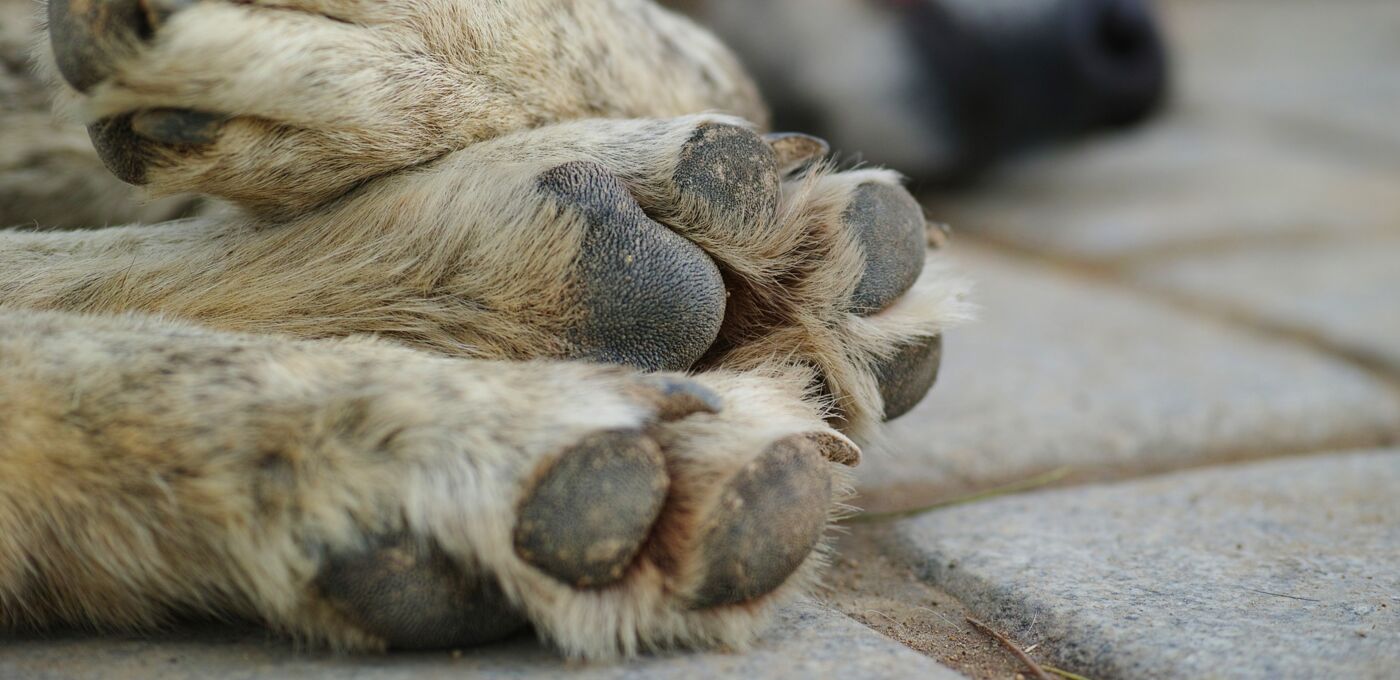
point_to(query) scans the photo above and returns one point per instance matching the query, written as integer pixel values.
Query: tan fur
(150, 467)
(413, 81)
(465, 257)
(50, 178)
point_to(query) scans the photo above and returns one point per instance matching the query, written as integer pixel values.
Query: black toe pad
(889, 225)
(908, 375)
(177, 126)
(733, 173)
(120, 149)
(414, 597)
(87, 34)
(768, 520)
(650, 298)
(591, 511)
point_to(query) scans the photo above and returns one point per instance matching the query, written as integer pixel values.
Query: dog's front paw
(619, 512)
(831, 270)
(690, 243)
(839, 272)
(282, 105)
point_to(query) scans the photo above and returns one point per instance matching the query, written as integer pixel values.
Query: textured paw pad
(908, 375)
(650, 299)
(889, 225)
(89, 36)
(414, 597)
(178, 126)
(768, 519)
(592, 509)
(732, 172)
(85, 33)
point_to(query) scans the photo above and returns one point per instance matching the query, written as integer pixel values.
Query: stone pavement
(1285, 569)
(1196, 325)
(1066, 372)
(811, 641)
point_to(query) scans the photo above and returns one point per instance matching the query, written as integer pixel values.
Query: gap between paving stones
(1110, 271)
(884, 594)
(1119, 264)
(1099, 473)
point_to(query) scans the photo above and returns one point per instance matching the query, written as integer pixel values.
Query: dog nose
(1116, 54)
(1000, 76)
(1041, 70)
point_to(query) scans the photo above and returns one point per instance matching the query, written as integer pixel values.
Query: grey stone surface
(1060, 371)
(810, 642)
(1281, 123)
(1308, 66)
(1345, 291)
(1192, 179)
(1274, 570)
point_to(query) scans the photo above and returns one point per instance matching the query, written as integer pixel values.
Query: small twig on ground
(889, 618)
(1006, 642)
(1291, 597)
(940, 615)
(1064, 674)
(1015, 487)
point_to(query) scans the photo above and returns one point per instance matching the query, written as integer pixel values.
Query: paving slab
(1282, 123)
(1345, 291)
(1314, 65)
(809, 642)
(1189, 180)
(1065, 372)
(1285, 569)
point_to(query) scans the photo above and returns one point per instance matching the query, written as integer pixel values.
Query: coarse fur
(196, 419)
(208, 472)
(50, 177)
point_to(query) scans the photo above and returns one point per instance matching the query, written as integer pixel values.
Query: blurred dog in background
(943, 89)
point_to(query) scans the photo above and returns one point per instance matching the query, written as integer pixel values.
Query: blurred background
(1183, 217)
(945, 89)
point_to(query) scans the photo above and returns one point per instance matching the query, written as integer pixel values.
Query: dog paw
(669, 511)
(282, 105)
(701, 244)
